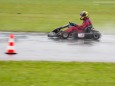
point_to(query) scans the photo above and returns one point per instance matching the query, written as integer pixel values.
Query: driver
(86, 25)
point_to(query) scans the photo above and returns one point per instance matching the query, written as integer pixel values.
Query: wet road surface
(37, 46)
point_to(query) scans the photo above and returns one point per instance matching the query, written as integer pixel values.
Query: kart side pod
(92, 35)
(75, 35)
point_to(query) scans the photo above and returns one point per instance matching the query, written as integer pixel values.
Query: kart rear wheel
(96, 36)
(65, 35)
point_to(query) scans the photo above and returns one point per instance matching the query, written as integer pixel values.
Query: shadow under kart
(93, 34)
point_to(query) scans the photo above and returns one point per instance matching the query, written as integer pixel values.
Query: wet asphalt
(38, 47)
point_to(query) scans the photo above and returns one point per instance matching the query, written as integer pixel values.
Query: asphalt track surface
(38, 47)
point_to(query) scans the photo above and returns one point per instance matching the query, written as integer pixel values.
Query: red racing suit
(80, 28)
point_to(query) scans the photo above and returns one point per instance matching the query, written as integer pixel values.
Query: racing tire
(96, 36)
(65, 35)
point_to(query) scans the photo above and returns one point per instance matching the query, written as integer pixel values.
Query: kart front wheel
(65, 35)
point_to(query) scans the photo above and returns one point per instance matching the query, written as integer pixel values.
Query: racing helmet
(83, 14)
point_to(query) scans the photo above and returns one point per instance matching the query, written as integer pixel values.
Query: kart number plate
(81, 35)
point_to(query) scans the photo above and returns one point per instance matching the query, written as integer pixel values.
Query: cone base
(10, 53)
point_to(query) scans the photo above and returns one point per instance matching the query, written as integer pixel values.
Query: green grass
(56, 74)
(45, 15)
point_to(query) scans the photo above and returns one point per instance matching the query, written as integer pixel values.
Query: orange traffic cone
(11, 45)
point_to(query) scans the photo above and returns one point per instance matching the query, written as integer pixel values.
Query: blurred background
(45, 15)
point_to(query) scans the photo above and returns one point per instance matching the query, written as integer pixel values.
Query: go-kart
(89, 34)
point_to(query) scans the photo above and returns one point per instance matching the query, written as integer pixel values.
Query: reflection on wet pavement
(37, 46)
